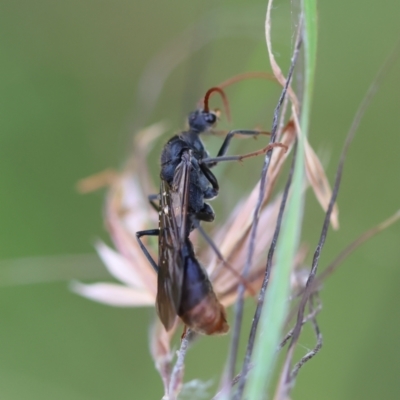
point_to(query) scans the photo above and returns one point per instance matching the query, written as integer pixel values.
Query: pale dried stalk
(314, 170)
(287, 379)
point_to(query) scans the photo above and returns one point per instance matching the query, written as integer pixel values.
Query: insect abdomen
(200, 309)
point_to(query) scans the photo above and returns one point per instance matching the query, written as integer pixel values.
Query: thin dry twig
(353, 246)
(310, 354)
(263, 289)
(315, 172)
(234, 237)
(261, 296)
(241, 290)
(285, 386)
(160, 350)
(177, 372)
(235, 380)
(283, 389)
(331, 268)
(310, 316)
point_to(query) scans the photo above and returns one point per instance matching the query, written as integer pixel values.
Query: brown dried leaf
(315, 172)
(223, 280)
(274, 65)
(97, 181)
(232, 234)
(319, 182)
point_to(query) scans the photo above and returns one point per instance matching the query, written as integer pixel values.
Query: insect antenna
(234, 79)
(207, 96)
(247, 75)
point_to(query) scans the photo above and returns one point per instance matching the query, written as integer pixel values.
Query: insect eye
(210, 118)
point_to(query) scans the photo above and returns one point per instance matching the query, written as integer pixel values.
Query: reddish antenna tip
(224, 99)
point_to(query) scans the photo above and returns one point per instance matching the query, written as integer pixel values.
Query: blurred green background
(71, 99)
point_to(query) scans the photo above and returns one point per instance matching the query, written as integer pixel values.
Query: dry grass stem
(239, 304)
(287, 378)
(315, 172)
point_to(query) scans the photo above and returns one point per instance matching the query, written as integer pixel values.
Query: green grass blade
(276, 302)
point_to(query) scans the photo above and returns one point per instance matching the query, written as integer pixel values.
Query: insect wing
(173, 232)
(169, 275)
(180, 196)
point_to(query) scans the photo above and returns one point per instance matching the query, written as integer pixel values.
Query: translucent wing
(173, 233)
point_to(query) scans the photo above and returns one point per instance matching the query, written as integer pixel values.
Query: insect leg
(207, 238)
(230, 135)
(227, 141)
(214, 161)
(151, 198)
(211, 162)
(212, 192)
(206, 214)
(149, 232)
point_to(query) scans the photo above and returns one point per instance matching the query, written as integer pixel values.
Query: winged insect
(183, 287)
